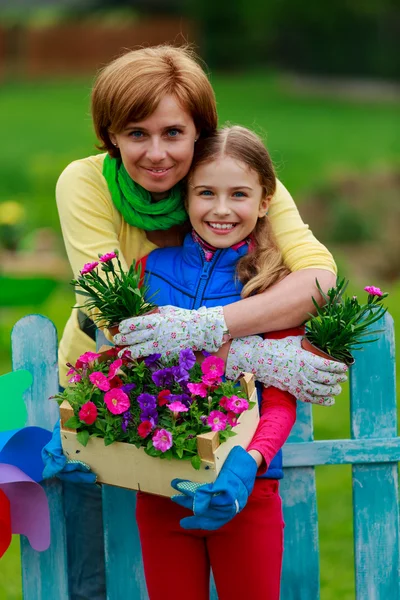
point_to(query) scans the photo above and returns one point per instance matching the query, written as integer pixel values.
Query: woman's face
(225, 200)
(157, 152)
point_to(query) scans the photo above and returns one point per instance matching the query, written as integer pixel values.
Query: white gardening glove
(285, 365)
(172, 329)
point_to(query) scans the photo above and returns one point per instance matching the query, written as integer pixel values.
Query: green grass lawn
(310, 139)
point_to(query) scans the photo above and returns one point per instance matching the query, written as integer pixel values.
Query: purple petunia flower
(126, 418)
(151, 415)
(151, 361)
(187, 359)
(146, 401)
(163, 377)
(128, 387)
(180, 374)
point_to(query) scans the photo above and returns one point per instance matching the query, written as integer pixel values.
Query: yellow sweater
(91, 225)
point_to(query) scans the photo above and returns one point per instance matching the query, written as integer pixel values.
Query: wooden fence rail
(373, 451)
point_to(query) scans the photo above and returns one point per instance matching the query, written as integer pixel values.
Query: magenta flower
(232, 419)
(217, 420)
(75, 378)
(198, 389)
(100, 381)
(213, 367)
(162, 440)
(89, 267)
(114, 368)
(177, 407)
(237, 405)
(86, 359)
(116, 401)
(108, 256)
(88, 413)
(374, 291)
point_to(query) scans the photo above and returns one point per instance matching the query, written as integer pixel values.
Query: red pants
(245, 554)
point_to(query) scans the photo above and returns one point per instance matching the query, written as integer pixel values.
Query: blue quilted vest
(180, 276)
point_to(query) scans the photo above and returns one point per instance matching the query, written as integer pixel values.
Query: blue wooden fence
(373, 451)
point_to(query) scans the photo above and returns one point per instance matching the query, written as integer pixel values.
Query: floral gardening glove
(215, 504)
(285, 365)
(56, 464)
(172, 329)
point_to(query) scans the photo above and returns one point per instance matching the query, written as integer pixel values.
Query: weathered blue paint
(375, 487)
(337, 452)
(34, 348)
(374, 451)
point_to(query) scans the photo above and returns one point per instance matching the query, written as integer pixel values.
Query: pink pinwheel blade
(28, 506)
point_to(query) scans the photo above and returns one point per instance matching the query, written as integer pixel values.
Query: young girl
(237, 526)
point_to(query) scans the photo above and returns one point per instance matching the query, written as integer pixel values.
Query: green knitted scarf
(135, 203)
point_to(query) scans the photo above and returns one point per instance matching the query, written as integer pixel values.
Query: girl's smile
(225, 201)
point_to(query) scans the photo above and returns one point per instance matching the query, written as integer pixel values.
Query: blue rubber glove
(56, 464)
(215, 504)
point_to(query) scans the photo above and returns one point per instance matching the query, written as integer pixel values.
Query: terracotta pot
(307, 345)
(114, 329)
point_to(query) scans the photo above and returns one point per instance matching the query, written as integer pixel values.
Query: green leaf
(83, 437)
(108, 441)
(196, 462)
(73, 423)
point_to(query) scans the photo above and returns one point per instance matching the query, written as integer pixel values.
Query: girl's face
(157, 152)
(225, 200)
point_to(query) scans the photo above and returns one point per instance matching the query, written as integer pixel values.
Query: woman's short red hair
(131, 86)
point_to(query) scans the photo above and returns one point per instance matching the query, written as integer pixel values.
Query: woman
(149, 107)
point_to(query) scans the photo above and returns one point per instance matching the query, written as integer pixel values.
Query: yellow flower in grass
(11, 213)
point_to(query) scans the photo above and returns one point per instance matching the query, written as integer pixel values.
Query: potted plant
(112, 293)
(343, 324)
(125, 417)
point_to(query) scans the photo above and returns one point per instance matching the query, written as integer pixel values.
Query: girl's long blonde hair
(263, 265)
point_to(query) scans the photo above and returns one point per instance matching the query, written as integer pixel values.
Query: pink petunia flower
(374, 291)
(177, 407)
(88, 413)
(75, 378)
(232, 419)
(198, 389)
(162, 440)
(213, 366)
(144, 429)
(237, 405)
(217, 420)
(108, 256)
(100, 381)
(89, 267)
(114, 368)
(116, 401)
(86, 359)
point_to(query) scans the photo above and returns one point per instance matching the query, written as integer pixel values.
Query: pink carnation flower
(177, 407)
(108, 256)
(217, 420)
(89, 267)
(88, 413)
(162, 440)
(198, 389)
(374, 291)
(114, 368)
(116, 401)
(100, 381)
(237, 405)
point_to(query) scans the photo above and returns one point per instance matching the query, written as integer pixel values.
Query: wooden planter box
(124, 465)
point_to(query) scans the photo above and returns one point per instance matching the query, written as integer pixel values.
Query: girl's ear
(264, 205)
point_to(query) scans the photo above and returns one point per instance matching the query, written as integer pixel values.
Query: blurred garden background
(319, 82)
